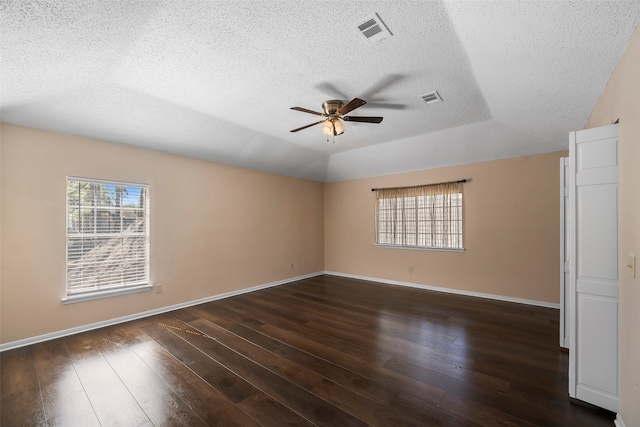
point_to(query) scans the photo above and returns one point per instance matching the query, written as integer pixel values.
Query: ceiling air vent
(374, 30)
(431, 97)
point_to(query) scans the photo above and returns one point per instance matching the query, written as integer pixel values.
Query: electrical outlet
(411, 269)
(631, 265)
(292, 264)
(304, 263)
(158, 288)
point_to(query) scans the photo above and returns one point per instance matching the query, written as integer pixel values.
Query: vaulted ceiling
(216, 79)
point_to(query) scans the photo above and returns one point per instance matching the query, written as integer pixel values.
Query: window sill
(419, 248)
(106, 293)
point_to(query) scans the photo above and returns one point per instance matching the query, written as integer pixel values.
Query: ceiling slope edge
(476, 142)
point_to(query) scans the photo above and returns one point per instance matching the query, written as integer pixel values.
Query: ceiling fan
(334, 113)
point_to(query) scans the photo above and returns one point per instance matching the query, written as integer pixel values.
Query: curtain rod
(424, 185)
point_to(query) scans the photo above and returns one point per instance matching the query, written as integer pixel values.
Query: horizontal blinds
(107, 235)
(427, 216)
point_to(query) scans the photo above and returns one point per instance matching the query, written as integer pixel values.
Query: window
(428, 216)
(107, 238)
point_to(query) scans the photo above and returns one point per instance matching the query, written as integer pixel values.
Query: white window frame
(79, 288)
(407, 222)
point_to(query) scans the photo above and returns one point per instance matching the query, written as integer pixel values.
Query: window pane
(106, 195)
(87, 220)
(73, 220)
(108, 221)
(107, 240)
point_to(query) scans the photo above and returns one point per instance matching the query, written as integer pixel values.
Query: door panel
(597, 334)
(593, 271)
(597, 154)
(598, 231)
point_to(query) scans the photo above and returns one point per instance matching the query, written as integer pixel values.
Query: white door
(593, 354)
(565, 243)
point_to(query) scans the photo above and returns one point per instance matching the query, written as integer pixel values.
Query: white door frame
(565, 227)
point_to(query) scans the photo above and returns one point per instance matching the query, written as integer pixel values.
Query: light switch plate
(631, 265)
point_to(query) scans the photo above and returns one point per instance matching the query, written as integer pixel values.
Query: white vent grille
(431, 97)
(374, 30)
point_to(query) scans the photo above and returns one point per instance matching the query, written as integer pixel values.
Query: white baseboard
(448, 290)
(618, 421)
(84, 328)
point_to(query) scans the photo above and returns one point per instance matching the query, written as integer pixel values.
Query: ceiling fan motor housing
(332, 106)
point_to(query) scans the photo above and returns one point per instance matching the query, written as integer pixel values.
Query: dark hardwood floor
(322, 351)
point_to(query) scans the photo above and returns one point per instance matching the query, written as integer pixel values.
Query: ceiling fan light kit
(333, 127)
(334, 110)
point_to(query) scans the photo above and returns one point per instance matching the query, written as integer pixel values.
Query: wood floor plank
(352, 402)
(378, 374)
(111, 400)
(21, 403)
(157, 400)
(271, 413)
(366, 326)
(272, 319)
(209, 404)
(293, 372)
(311, 310)
(325, 350)
(480, 414)
(428, 414)
(215, 374)
(293, 396)
(64, 399)
(363, 385)
(257, 404)
(533, 379)
(374, 414)
(416, 346)
(469, 376)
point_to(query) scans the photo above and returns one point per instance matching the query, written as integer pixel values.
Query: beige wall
(511, 229)
(621, 99)
(214, 228)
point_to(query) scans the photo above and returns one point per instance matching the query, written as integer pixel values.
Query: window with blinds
(428, 216)
(107, 236)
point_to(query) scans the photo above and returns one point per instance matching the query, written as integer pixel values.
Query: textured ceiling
(215, 79)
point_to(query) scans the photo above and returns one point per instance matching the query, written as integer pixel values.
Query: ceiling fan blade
(350, 106)
(304, 110)
(308, 126)
(362, 119)
(382, 85)
(331, 90)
